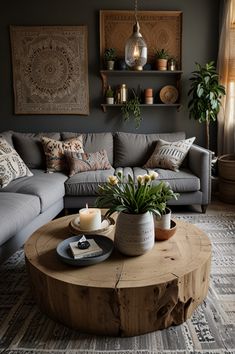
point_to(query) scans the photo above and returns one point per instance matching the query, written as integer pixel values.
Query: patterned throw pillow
(55, 152)
(81, 162)
(169, 155)
(11, 164)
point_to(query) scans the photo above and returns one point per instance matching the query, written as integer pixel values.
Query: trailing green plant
(132, 107)
(161, 54)
(206, 93)
(110, 54)
(124, 194)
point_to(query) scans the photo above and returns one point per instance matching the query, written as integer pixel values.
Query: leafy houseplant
(110, 57)
(124, 195)
(206, 93)
(136, 204)
(161, 54)
(109, 95)
(161, 59)
(132, 107)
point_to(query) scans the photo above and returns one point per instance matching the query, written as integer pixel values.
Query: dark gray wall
(199, 43)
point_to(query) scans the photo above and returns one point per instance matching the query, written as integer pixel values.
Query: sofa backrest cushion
(135, 149)
(7, 135)
(30, 149)
(93, 142)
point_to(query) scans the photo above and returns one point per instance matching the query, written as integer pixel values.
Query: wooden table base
(122, 296)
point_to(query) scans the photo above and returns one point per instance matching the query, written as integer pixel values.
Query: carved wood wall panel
(160, 29)
(50, 74)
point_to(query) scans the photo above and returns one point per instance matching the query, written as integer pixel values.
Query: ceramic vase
(134, 233)
(163, 221)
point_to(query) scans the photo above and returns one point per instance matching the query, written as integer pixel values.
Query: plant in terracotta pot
(109, 58)
(161, 56)
(137, 202)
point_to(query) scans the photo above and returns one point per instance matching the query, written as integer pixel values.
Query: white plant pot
(110, 100)
(110, 65)
(164, 221)
(134, 233)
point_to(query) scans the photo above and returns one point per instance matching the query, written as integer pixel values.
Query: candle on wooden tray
(90, 219)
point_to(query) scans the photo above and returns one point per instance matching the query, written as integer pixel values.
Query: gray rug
(211, 330)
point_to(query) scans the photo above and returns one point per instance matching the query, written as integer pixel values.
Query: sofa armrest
(199, 163)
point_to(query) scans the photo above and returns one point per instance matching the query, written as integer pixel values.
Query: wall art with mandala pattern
(160, 29)
(50, 69)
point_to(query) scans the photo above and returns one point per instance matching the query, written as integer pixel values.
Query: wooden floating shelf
(176, 105)
(142, 72)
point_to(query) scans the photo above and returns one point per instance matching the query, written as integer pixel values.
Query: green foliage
(110, 54)
(109, 92)
(161, 54)
(132, 107)
(125, 195)
(206, 93)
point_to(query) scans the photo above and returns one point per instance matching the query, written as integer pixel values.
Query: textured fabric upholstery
(30, 149)
(16, 211)
(135, 149)
(7, 135)
(181, 182)
(199, 163)
(93, 142)
(48, 187)
(86, 183)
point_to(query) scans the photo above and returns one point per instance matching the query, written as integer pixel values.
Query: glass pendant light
(136, 48)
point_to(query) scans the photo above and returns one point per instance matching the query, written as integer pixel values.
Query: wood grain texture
(123, 296)
(160, 29)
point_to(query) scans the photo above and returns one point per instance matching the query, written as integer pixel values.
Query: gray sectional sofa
(29, 202)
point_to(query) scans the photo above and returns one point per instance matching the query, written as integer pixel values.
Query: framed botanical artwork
(50, 69)
(160, 29)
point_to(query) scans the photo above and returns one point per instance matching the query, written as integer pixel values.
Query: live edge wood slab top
(122, 296)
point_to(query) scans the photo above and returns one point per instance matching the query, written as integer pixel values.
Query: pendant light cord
(136, 10)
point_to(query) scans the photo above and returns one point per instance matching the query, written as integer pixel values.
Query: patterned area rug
(211, 330)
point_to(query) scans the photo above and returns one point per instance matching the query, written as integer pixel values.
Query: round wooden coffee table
(122, 296)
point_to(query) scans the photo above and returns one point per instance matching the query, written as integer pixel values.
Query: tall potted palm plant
(206, 93)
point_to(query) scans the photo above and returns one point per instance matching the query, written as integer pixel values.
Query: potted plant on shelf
(136, 201)
(206, 93)
(132, 107)
(109, 95)
(161, 56)
(109, 58)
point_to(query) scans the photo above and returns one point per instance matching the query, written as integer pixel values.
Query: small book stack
(91, 251)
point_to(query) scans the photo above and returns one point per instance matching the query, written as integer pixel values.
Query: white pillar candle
(90, 219)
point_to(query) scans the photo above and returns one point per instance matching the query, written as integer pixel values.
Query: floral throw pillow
(169, 155)
(55, 152)
(11, 164)
(82, 162)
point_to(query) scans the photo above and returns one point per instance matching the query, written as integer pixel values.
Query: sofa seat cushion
(16, 211)
(48, 187)
(86, 183)
(181, 182)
